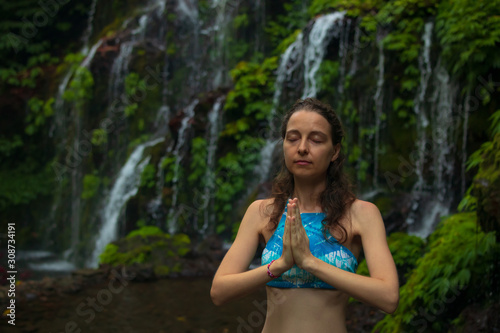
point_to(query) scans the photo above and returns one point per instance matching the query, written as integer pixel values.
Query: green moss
(148, 245)
(147, 231)
(162, 270)
(91, 185)
(148, 176)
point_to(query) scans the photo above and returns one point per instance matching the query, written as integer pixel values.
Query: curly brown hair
(338, 196)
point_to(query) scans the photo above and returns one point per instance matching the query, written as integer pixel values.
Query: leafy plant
(457, 262)
(198, 160)
(469, 32)
(39, 111)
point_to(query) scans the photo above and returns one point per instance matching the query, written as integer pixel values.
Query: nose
(303, 149)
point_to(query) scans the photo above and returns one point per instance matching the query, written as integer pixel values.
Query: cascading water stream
(59, 101)
(217, 31)
(125, 187)
(88, 32)
(290, 60)
(320, 36)
(211, 137)
(120, 66)
(356, 49)
(436, 196)
(343, 49)
(379, 103)
(179, 153)
(424, 65)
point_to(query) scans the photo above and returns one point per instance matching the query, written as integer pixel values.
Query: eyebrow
(294, 131)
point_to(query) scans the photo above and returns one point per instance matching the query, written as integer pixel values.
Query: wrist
(278, 267)
(309, 264)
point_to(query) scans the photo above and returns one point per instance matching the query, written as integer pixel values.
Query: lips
(302, 162)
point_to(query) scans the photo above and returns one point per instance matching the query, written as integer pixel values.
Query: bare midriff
(305, 310)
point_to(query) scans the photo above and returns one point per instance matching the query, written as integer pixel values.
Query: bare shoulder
(258, 212)
(260, 207)
(365, 216)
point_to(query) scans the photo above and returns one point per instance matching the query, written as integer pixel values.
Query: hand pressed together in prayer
(295, 241)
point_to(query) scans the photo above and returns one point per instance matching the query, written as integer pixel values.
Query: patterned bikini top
(330, 251)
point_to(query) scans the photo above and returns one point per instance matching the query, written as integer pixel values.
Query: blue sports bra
(330, 251)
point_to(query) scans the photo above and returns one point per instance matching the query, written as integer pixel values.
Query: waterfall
(119, 69)
(290, 60)
(217, 32)
(319, 37)
(435, 197)
(296, 55)
(379, 103)
(125, 187)
(343, 48)
(88, 32)
(59, 101)
(178, 153)
(424, 65)
(211, 137)
(189, 10)
(355, 49)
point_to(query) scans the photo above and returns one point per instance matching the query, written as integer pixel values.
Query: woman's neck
(308, 194)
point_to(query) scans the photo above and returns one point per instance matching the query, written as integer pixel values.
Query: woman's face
(308, 146)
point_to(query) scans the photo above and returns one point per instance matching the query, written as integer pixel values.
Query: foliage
(91, 184)
(147, 244)
(169, 164)
(286, 42)
(147, 230)
(80, 88)
(469, 33)
(148, 176)
(133, 85)
(405, 250)
(483, 195)
(8, 147)
(241, 21)
(27, 182)
(353, 8)
(233, 172)
(99, 137)
(293, 17)
(38, 113)
(457, 262)
(245, 102)
(328, 73)
(198, 160)
(31, 35)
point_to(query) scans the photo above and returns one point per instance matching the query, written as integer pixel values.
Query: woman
(314, 229)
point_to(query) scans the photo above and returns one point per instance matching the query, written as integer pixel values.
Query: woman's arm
(381, 289)
(233, 279)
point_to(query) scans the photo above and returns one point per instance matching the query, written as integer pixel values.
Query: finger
(287, 228)
(294, 232)
(297, 213)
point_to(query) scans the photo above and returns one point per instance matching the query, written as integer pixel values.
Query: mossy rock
(151, 246)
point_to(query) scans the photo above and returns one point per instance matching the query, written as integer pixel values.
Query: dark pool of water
(177, 305)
